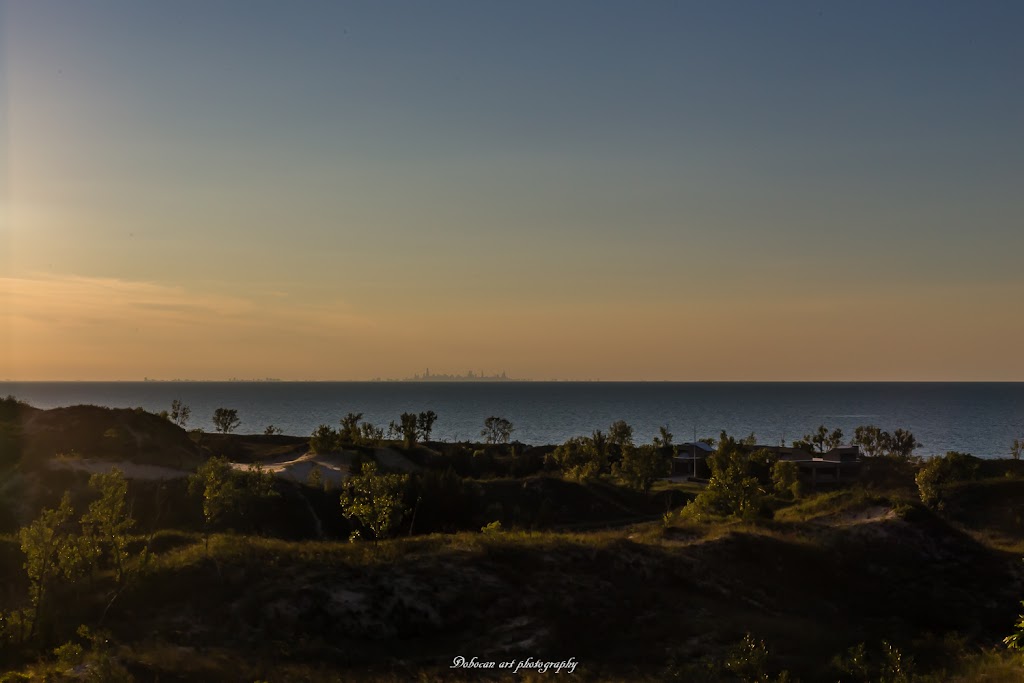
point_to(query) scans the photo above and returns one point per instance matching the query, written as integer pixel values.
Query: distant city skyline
(686, 191)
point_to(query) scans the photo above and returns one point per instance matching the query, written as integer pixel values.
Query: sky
(557, 190)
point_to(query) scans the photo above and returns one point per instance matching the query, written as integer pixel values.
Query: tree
(52, 550)
(425, 424)
(580, 458)
(818, 438)
(620, 434)
(349, 432)
(786, 478)
(664, 438)
(804, 445)
(902, 443)
(225, 420)
(271, 430)
(323, 440)
(368, 434)
(1016, 448)
(497, 430)
(227, 492)
(869, 438)
(821, 439)
(107, 522)
(641, 466)
(735, 488)
(408, 424)
(938, 473)
(180, 413)
(221, 494)
(375, 500)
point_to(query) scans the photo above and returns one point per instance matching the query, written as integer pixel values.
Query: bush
(737, 486)
(226, 420)
(323, 440)
(641, 466)
(786, 478)
(937, 473)
(579, 458)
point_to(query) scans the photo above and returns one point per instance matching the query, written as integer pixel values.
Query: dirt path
(333, 468)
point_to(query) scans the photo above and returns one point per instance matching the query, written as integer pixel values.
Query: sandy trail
(333, 468)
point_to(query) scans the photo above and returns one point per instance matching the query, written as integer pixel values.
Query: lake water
(978, 418)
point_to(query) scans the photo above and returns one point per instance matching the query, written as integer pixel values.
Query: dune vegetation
(387, 556)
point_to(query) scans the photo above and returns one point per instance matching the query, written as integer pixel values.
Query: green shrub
(937, 473)
(323, 440)
(492, 528)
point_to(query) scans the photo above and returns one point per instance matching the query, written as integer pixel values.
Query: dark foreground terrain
(501, 561)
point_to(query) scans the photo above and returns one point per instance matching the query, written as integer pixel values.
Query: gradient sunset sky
(572, 190)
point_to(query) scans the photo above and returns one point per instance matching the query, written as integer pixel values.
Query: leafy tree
(936, 474)
(580, 458)
(821, 439)
(271, 430)
(409, 426)
(869, 438)
(107, 522)
(497, 430)
(804, 444)
(735, 488)
(786, 478)
(816, 440)
(180, 413)
(52, 550)
(664, 438)
(350, 428)
(323, 440)
(620, 434)
(375, 500)
(225, 420)
(425, 424)
(227, 492)
(215, 481)
(369, 434)
(900, 443)
(641, 466)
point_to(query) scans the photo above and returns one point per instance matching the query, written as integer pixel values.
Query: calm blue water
(979, 418)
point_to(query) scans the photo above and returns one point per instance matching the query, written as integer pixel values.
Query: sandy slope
(333, 468)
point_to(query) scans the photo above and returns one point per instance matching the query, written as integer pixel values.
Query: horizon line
(510, 381)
